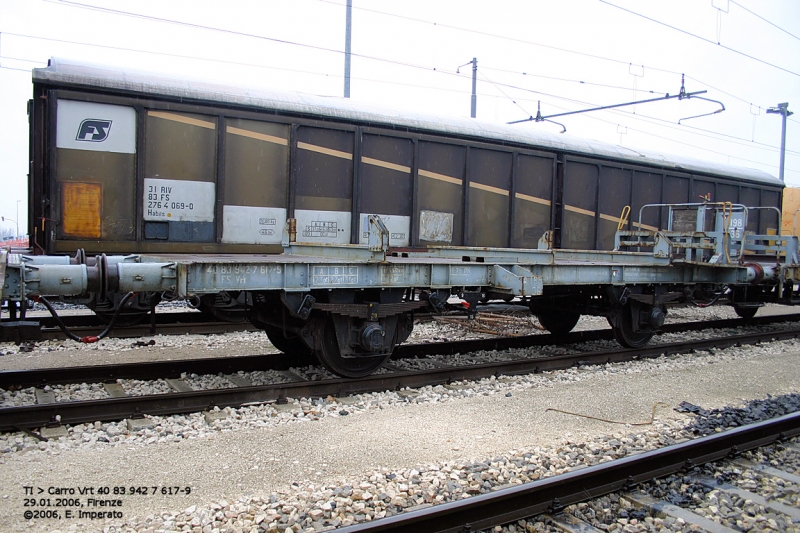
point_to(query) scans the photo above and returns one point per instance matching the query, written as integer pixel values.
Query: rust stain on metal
(436, 226)
(81, 209)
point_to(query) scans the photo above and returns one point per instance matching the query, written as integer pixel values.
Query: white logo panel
(96, 127)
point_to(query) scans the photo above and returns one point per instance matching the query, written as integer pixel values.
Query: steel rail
(33, 416)
(206, 327)
(39, 328)
(551, 494)
(165, 369)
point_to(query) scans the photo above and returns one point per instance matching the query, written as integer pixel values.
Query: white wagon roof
(63, 71)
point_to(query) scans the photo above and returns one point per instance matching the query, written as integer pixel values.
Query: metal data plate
(252, 225)
(399, 229)
(323, 227)
(178, 200)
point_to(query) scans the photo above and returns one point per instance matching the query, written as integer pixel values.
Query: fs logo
(93, 130)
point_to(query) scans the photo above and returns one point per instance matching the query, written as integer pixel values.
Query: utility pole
(782, 110)
(474, 108)
(348, 32)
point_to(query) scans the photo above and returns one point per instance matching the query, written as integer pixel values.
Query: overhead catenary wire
(495, 35)
(649, 119)
(765, 20)
(533, 43)
(198, 58)
(230, 32)
(73, 3)
(664, 123)
(603, 85)
(14, 68)
(325, 74)
(405, 64)
(569, 80)
(700, 37)
(502, 92)
(630, 115)
(675, 140)
(637, 116)
(680, 142)
(668, 124)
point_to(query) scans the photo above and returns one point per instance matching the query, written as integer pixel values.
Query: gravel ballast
(332, 462)
(322, 463)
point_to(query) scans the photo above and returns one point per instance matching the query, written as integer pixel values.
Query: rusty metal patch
(82, 203)
(436, 226)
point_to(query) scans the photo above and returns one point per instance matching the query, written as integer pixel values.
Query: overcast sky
(568, 54)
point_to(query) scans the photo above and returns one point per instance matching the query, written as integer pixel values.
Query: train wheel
(745, 312)
(624, 332)
(293, 346)
(559, 322)
(350, 367)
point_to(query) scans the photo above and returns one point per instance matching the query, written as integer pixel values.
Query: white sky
(406, 55)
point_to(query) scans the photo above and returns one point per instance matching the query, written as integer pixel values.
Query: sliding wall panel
(95, 171)
(324, 185)
(180, 176)
(255, 190)
(489, 189)
(533, 192)
(614, 194)
(386, 186)
(580, 205)
(440, 193)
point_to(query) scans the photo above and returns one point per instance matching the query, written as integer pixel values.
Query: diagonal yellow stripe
(579, 210)
(440, 177)
(323, 150)
(533, 199)
(615, 220)
(488, 188)
(609, 218)
(645, 226)
(385, 164)
(256, 135)
(183, 119)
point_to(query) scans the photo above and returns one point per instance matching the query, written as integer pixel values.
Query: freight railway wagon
(184, 173)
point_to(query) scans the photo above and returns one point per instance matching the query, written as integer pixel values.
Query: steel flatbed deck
(512, 271)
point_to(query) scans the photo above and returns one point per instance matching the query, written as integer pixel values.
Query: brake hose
(89, 338)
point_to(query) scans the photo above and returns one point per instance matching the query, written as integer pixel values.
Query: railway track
(551, 495)
(293, 385)
(46, 327)
(180, 323)
(281, 362)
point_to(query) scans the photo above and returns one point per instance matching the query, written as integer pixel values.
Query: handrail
(623, 217)
(780, 215)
